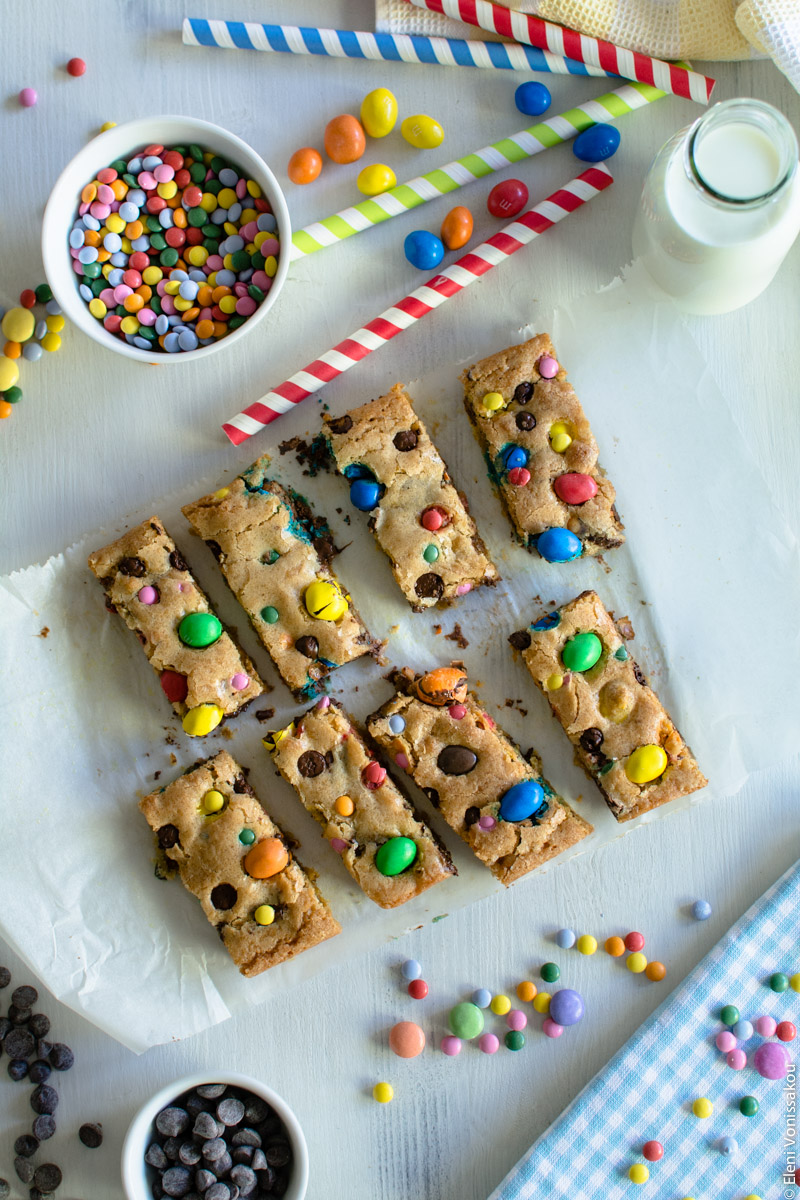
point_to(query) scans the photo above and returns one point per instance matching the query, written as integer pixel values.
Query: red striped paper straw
(533, 31)
(419, 303)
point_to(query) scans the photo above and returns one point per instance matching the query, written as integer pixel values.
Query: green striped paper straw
(480, 163)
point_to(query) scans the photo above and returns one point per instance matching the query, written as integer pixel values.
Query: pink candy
(451, 1046)
(766, 1026)
(147, 594)
(246, 306)
(457, 712)
(487, 822)
(516, 1019)
(323, 703)
(725, 1041)
(146, 316)
(121, 292)
(551, 1029)
(28, 97)
(401, 760)
(737, 1059)
(240, 681)
(373, 775)
(164, 173)
(269, 246)
(338, 845)
(146, 180)
(214, 262)
(105, 194)
(488, 1043)
(547, 366)
(463, 588)
(99, 210)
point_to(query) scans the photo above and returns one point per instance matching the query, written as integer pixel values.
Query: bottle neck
(740, 155)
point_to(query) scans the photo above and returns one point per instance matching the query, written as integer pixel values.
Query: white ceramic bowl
(139, 1135)
(121, 142)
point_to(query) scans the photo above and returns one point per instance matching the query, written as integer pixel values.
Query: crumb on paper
(43, 632)
(441, 917)
(456, 635)
(156, 777)
(264, 714)
(227, 733)
(437, 629)
(313, 456)
(173, 759)
(625, 629)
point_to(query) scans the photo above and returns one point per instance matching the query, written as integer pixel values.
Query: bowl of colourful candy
(217, 1136)
(166, 236)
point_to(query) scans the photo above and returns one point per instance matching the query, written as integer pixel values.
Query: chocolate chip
(40, 1071)
(256, 1111)
(406, 439)
(307, 645)
(43, 1049)
(639, 675)
(19, 1016)
(177, 561)
(189, 1154)
(205, 1126)
(223, 1164)
(591, 740)
(246, 1137)
(245, 1178)
(5, 977)
(176, 1181)
(215, 549)
(230, 1111)
(212, 1091)
(48, 1177)
(224, 896)
(155, 1156)
(243, 1154)
(39, 1025)
(61, 1057)
(523, 392)
(172, 1148)
(341, 424)
(25, 996)
(218, 1191)
(91, 1135)
(44, 1127)
(168, 836)
(429, 586)
(172, 1121)
(214, 1149)
(132, 566)
(242, 787)
(259, 1161)
(456, 760)
(204, 1179)
(19, 1043)
(310, 764)
(471, 815)
(17, 1069)
(278, 1153)
(5, 1189)
(520, 640)
(24, 1168)
(433, 796)
(525, 421)
(26, 1145)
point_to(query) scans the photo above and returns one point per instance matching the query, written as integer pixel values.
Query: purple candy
(771, 1060)
(566, 1007)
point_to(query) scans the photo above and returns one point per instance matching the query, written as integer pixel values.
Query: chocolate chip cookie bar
(623, 737)
(419, 519)
(275, 555)
(541, 453)
(495, 799)
(203, 673)
(389, 851)
(239, 865)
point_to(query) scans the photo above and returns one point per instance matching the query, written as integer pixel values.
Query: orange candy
(305, 165)
(345, 140)
(89, 193)
(655, 971)
(120, 188)
(267, 858)
(444, 685)
(526, 991)
(180, 218)
(457, 228)
(133, 230)
(91, 238)
(204, 295)
(204, 329)
(12, 350)
(5, 409)
(133, 303)
(615, 947)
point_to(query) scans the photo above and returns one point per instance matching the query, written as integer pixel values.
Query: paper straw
(533, 31)
(418, 303)
(472, 166)
(387, 47)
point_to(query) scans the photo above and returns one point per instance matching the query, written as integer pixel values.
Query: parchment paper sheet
(710, 577)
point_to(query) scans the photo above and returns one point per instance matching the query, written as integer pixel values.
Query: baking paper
(709, 577)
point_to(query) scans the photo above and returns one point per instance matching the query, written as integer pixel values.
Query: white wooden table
(95, 437)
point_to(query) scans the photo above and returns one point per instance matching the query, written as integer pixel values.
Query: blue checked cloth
(646, 1090)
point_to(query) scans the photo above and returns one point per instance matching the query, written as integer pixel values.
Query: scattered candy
(778, 982)
(201, 720)
(411, 969)
(379, 112)
(344, 139)
(547, 367)
(423, 250)
(596, 143)
(743, 1030)
(638, 1173)
(501, 1005)
(199, 629)
(748, 1106)
(267, 858)
(507, 198)
(514, 1040)
(634, 941)
(482, 997)
(28, 97)
(565, 939)
(655, 971)
(580, 654)
(375, 179)
(574, 488)
(729, 1015)
(566, 1007)
(786, 1031)
(526, 991)
(264, 914)
(725, 1041)
(451, 1045)
(550, 972)
(737, 1060)
(766, 1026)
(422, 132)
(533, 99)
(489, 1043)
(457, 228)
(521, 801)
(728, 1146)
(615, 947)
(364, 494)
(701, 910)
(76, 67)
(559, 545)
(406, 1039)
(325, 600)
(516, 1019)
(212, 802)
(9, 373)
(18, 324)
(702, 1108)
(305, 165)
(418, 989)
(653, 1151)
(586, 943)
(383, 1093)
(541, 1002)
(794, 982)
(493, 401)
(395, 856)
(551, 1028)
(645, 764)
(636, 963)
(466, 1020)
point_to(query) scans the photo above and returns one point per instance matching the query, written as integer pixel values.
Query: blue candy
(481, 997)
(565, 939)
(411, 969)
(566, 1007)
(559, 545)
(423, 250)
(701, 910)
(364, 494)
(596, 143)
(514, 456)
(548, 621)
(521, 801)
(532, 99)
(32, 351)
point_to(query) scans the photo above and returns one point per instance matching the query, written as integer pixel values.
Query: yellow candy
(127, 248)
(586, 944)
(9, 373)
(228, 304)
(208, 202)
(702, 1108)
(271, 265)
(541, 1002)
(325, 600)
(52, 342)
(636, 962)
(212, 802)
(168, 189)
(108, 125)
(201, 720)
(248, 214)
(264, 914)
(638, 1173)
(493, 401)
(560, 436)
(422, 132)
(226, 197)
(18, 325)
(152, 275)
(114, 223)
(181, 304)
(344, 806)
(253, 189)
(379, 112)
(231, 229)
(55, 323)
(500, 1005)
(376, 179)
(794, 983)
(270, 742)
(554, 682)
(383, 1092)
(127, 325)
(97, 308)
(172, 287)
(196, 255)
(260, 238)
(221, 494)
(646, 764)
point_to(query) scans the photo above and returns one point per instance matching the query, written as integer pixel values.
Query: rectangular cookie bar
(472, 772)
(275, 556)
(239, 865)
(384, 844)
(419, 519)
(541, 452)
(623, 737)
(203, 673)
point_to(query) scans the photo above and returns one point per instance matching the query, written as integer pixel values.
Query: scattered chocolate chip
(243, 1154)
(19, 1043)
(5, 977)
(591, 740)
(278, 1152)
(639, 675)
(25, 996)
(223, 1165)
(17, 1069)
(215, 549)
(168, 836)
(61, 1057)
(523, 392)
(525, 421)
(456, 760)
(24, 1168)
(224, 896)
(176, 1181)
(48, 1177)
(44, 1127)
(307, 645)
(310, 764)
(19, 1016)
(39, 1025)
(242, 787)
(155, 1156)
(177, 561)
(43, 1048)
(246, 1137)
(172, 1148)
(5, 1189)
(40, 1071)
(264, 714)
(26, 1145)
(520, 640)
(91, 1135)
(230, 1111)
(135, 567)
(429, 586)
(341, 424)
(173, 1121)
(5, 1025)
(406, 439)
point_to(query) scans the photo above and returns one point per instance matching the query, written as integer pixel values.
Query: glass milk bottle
(721, 207)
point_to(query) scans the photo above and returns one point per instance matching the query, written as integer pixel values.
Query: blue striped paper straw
(387, 47)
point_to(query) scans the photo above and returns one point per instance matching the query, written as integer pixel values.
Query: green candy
(147, 332)
(213, 186)
(168, 257)
(195, 152)
(270, 614)
(43, 293)
(197, 172)
(466, 1020)
(119, 165)
(240, 260)
(395, 856)
(217, 164)
(581, 652)
(779, 982)
(196, 217)
(236, 321)
(200, 630)
(550, 972)
(729, 1014)
(247, 837)
(13, 395)
(130, 179)
(514, 1039)
(153, 224)
(255, 293)
(430, 553)
(748, 1106)
(158, 242)
(621, 654)
(257, 261)
(92, 270)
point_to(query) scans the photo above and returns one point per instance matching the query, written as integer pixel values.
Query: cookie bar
(203, 673)
(541, 453)
(275, 556)
(239, 865)
(419, 519)
(387, 848)
(472, 772)
(623, 737)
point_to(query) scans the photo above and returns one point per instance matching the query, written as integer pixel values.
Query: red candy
(519, 476)
(137, 262)
(508, 198)
(175, 686)
(634, 942)
(132, 278)
(434, 518)
(418, 989)
(154, 148)
(182, 177)
(786, 1031)
(191, 197)
(173, 159)
(653, 1151)
(574, 488)
(76, 67)
(27, 298)
(373, 776)
(175, 237)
